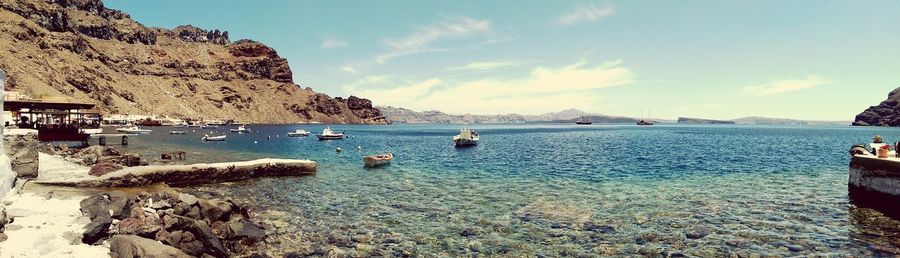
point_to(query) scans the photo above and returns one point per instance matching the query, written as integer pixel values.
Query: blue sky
(825, 60)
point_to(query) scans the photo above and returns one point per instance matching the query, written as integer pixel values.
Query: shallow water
(558, 190)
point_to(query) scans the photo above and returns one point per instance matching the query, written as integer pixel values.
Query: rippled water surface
(558, 190)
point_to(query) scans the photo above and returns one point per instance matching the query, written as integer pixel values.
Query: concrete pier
(875, 183)
(195, 174)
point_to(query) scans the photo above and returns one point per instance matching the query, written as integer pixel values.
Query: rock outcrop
(89, 53)
(23, 153)
(887, 113)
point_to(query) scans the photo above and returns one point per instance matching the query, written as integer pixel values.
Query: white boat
(206, 137)
(328, 134)
(240, 129)
(215, 122)
(134, 130)
(378, 160)
(465, 138)
(177, 132)
(92, 130)
(208, 126)
(298, 133)
(194, 125)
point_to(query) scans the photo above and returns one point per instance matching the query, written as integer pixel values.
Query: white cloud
(349, 69)
(544, 89)
(484, 66)
(372, 88)
(788, 85)
(331, 43)
(420, 40)
(585, 11)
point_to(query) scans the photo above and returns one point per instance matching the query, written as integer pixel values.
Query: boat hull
(377, 160)
(329, 137)
(298, 134)
(464, 143)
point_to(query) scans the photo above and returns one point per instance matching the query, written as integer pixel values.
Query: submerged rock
(128, 246)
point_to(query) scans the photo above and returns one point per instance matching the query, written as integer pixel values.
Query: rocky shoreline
(191, 225)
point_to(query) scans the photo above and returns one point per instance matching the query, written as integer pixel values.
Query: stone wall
(22, 149)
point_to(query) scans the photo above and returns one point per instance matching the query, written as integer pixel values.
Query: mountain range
(406, 116)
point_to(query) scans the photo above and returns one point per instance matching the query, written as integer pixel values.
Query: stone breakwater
(182, 224)
(183, 175)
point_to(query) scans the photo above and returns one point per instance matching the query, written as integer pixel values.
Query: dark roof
(16, 105)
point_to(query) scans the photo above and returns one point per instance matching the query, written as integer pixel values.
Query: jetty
(193, 174)
(875, 182)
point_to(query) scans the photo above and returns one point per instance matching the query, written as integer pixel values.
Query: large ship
(583, 120)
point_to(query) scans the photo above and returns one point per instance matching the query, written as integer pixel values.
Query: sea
(554, 190)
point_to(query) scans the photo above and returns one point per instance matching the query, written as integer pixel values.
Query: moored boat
(240, 129)
(645, 122)
(298, 133)
(378, 160)
(207, 138)
(328, 134)
(133, 130)
(177, 132)
(466, 138)
(208, 126)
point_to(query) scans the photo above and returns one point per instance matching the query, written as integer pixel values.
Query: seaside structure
(60, 122)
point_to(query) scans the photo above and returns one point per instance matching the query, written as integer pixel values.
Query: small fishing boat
(177, 132)
(240, 129)
(378, 160)
(194, 125)
(466, 138)
(133, 130)
(298, 133)
(328, 134)
(208, 126)
(208, 138)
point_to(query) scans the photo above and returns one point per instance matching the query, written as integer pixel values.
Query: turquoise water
(557, 190)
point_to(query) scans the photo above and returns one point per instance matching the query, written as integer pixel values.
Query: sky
(803, 59)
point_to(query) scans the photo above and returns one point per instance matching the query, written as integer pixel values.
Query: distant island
(688, 120)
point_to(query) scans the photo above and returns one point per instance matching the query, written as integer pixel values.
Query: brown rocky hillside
(83, 51)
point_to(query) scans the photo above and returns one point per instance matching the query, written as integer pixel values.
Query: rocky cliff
(887, 113)
(89, 53)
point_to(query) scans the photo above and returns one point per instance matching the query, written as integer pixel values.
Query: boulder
(97, 230)
(130, 246)
(95, 206)
(120, 205)
(216, 209)
(104, 167)
(188, 199)
(132, 160)
(246, 229)
(141, 221)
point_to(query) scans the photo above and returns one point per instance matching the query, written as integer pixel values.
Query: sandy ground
(48, 222)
